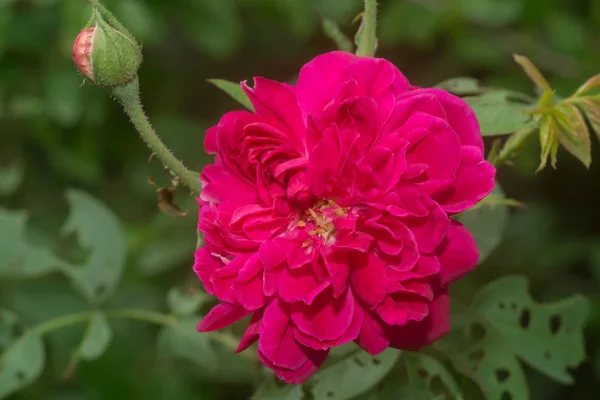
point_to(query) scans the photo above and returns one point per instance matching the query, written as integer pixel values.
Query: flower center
(320, 220)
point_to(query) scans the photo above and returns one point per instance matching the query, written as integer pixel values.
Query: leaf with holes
(504, 324)
(461, 86)
(271, 389)
(21, 364)
(497, 114)
(339, 381)
(10, 179)
(234, 90)
(487, 223)
(18, 257)
(429, 379)
(182, 340)
(99, 231)
(186, 302)
(548, 337)
(98, 336)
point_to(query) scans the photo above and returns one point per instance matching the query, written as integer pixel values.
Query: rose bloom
(327, 213)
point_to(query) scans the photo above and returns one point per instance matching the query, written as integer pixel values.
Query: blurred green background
(68, 135)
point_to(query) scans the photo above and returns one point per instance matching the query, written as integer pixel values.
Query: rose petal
(458, 253)
(221, 315)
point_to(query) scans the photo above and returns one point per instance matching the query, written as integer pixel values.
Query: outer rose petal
(321, 79)
(474, 181)
(220, 316)
(415, 335)
(252, 332)
(312, 364)
(205, 264)
(373, 338)
(276, 342)
(458, 253)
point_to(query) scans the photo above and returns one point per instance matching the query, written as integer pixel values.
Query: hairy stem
(367, 40)
(129, 97)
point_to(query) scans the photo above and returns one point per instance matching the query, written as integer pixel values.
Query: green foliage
(429, 379)
(234, 90)
(503, 324)
(10, 179)
(99, 232)
(498, 113)
(487, 221)
(21, 363)
(339, 381)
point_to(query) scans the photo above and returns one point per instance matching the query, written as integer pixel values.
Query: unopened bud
(105, 52)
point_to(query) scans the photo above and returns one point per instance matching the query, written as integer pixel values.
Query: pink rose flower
(326, 214)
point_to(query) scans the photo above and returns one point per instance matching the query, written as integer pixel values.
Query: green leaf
(99, 231)
(19, 258)
(11, 178)
(97, 338)
(429, 379)
(548, 337)
(548, 141)
(21, 364)
(183, 341)
(591, 84)
(234, 90)
(352, 376)
(333, 32)
(574, 136)
(591, 109)
(487, 222)
(504, 324)
(186, 302)
(534, 74)
(498, 115)
(461, 86)
(270, 389)
(8, 324)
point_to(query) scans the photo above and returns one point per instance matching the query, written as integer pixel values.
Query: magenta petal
(205, 264)
(296, 376)
(474, 181)
(276, 340)
(429, 231)
(252, 332)
(250, 294)
(221, 315)
(416, 335)
(350, 334)
(372, 337)
(338, 268)
(369, 279)
(457, 254)
(273, 252)
(327, 318)
(399, 309)
(300, 284)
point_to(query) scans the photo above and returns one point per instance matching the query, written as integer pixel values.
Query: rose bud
(105, 52)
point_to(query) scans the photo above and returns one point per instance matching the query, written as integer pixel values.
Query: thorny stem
(129, 97)
(367, 42)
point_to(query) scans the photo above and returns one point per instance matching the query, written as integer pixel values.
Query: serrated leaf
(591, 84)
(487, 223)
(429, 379)
(503, 324)
(498, 115)
(461, 86)
(574, 135)
(21, 364)
(11, 178)
(533, 72)
(186, 302)
(591, 110)
(99, 231)
(548, 337)
(271, 390)
(339, 381)
(19, 258)
(234, 90)
(182, 340)
(333, 32)
(548, 141)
